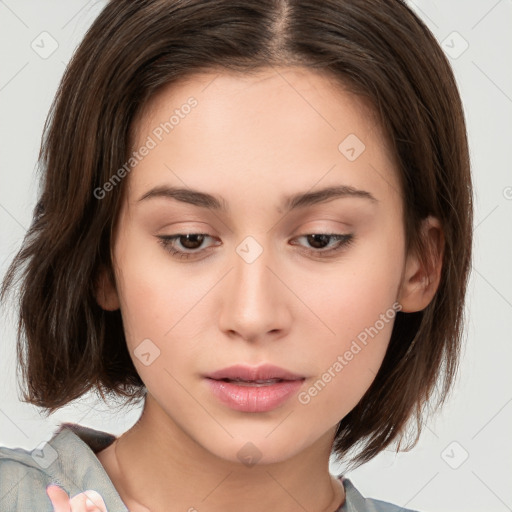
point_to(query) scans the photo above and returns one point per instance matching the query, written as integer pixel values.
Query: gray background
(435, 475)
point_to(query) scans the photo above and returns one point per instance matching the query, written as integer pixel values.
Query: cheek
(149, 299)
(347, 362)
(159, 304)
(353, 294)
(358, 307)
(149, 310)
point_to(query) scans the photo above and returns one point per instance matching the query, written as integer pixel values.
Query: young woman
(255, 217)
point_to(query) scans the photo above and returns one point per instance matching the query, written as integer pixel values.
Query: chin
(263, 448)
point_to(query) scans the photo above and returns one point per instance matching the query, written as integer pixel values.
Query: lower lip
(254, 398)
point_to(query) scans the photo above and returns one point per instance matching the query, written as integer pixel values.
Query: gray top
(69, 461)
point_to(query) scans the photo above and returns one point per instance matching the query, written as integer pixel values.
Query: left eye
(320, 243)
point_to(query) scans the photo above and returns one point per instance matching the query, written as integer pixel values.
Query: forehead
(273, 127)
(315, 97)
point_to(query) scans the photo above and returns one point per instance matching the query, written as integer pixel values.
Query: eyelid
(342, 241)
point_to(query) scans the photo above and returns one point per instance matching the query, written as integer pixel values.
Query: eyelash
(343, 241)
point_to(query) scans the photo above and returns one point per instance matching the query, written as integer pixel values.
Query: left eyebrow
(323, 195)
(292, 202)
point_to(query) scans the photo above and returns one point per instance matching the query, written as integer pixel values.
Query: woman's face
(296, 258)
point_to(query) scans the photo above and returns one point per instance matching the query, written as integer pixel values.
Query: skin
(87, 501)
(254, 139)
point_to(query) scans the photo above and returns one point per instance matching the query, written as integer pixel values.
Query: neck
(153, 466)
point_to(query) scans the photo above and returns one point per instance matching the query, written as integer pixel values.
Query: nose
(255, 300)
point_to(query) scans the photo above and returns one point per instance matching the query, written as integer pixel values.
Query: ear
(420, 281)
(106, 292)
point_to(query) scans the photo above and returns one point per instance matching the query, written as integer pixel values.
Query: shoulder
(356, 502)
(23, 480)
(68, 460)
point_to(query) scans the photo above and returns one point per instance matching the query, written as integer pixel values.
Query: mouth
(253, 383)
(254, 389)
(260, 375)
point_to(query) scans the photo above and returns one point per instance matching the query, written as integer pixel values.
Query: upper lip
(263, 372)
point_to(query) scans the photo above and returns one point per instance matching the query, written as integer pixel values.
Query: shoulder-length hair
(377, 49)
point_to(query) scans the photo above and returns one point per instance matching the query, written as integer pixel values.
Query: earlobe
(106, 293)
(422, 276)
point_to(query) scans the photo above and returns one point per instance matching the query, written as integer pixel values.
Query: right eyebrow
(187, 195)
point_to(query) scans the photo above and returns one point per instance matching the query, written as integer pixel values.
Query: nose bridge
(254, 304)
(252, 279)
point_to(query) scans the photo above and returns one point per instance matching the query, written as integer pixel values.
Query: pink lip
(257, 398)
(266, 371)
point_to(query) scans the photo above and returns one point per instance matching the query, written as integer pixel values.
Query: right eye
(184, 245)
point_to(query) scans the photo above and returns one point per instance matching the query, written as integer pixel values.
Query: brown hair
(379, 49)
